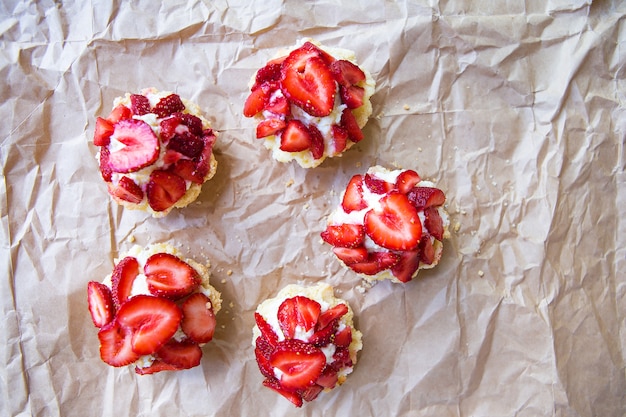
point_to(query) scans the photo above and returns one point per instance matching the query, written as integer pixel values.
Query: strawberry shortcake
(305, 341)
(154, 311)
(311, 103)
(156, 151)
(389, 225)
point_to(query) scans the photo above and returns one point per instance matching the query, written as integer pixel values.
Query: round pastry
(311, 103)
(154, 311)
(156, 151)
(389, 225)
(305, 341)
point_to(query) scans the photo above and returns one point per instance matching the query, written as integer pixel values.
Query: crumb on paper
(131, 238)
(457, 226)
(419, 149)
(396, 165)
(223, 281)
(406, 107)
(229, 272)
(231, 304)
(289, 183)
(481, 273)
(306, 206)
(358, 164)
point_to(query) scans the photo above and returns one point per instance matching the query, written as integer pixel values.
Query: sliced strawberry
(186, 143)
(343, 338)
(344, 235)
(297, 311)
(141, 146)
(326, 57)
(122, 279)
(273, 384)
(186, 169)
(169, 276)
(323, 336)
(258, 99)
(346, 73)
(352, 96)
(351, 256)
(295, 137)
(311, 393)
(168, 105)
(198, 318)
(308, 83)
(407, 180)
(266, 330)
(269, 127)
(119, 113)
(279, 105)
(407, 265)
(269, 73)
(156, 366)
(105, 168)
(377, 185)
(262, 353)
(342, 358)
(182, 355)
(353, 197)
(100, 303)
(396, 226)
(152, 321)
(427, 250)
(340, 138)
(433, 222)
(300, 363)
(423, 197)
(127, 190)
(349, 122)
(331, 314)
(317, 142)
(103, 131)
(204, 161)
(116, 345)
(375, 263)
(328, 378)
(194, 123)
(164, 189)
(168, 126)
(139, 104)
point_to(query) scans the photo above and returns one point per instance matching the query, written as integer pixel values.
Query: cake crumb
(131, 238)
(223, 281)
(419, 149)
(231, 304)
(457, 226)
(289, 183)
(229, 272)
(306, 206)
(481, 273)
(358, 164)
(406, 107)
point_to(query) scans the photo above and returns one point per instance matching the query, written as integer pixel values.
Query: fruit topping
(351, 256)
(122, 279)
(139, 104)
(168, 105)
(407, 265)
(269, 127)
(105, 168)
(169, 276)
(181, 355)
(340, 138)
(295, 137)
(297, 312)
(377, 185)
(375, 263)
(127, 190)
(164, 189)
(317, 142)
(353, 196)
(257, 100)
(100, 302)
(140, 146)
(266, 330)
(348, 122)
(344, 235)
(433, 222)
(396, 225)
(116, 345)
(119, 113)
(332, 314)
(103, 132)
(346, 73)
(352, 96)
(186, 143)
(269, 73)
(424, 197)
(300, 363)
(295, 398)
(198, 321)
(343, 338)
(407, 180)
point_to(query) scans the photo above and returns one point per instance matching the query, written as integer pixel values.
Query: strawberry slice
(119, 113)
(156, 366)
(433, 222)
(424, 197)
(323, 336)
(100, 302)
(258, 99)
(150, 320)
(262, 352)
(328, 379)
(349, 122)
(168, 105)
(295, 137)
(300, 363)
(317, 142)
(326, 57)
(168, 126)
(273, 384)
(407, 265)
(427, 250)
(186, 169)
(193, 122)
(204, 161)
(266, 330)
(269, 127)
(344, 235)
(139, 104)
(346, 73)
(407, 180)
(198, 318)
(279, 105)
(297, 311)
(103, 131)
(269, 73)
(169, 276)
(105, 168)
(308, 83)
(127, 190)
(332, 314)
(353, 196)
(116, 345)
(340, 138)
(311, 393)
(341, 358)
(377, 185)
(375, 263)
(396, 225)
(164, 189)
(140, 146)
(352, 96)
(186, 143)
(351, 256)
(343, 338)
(122, 279)
(181, 355)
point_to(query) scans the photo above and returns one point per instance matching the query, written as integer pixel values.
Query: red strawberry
(127, 190)
(326, 57)
(352, 96)
(100, 302)
(375, 263)
(204, 161)
(346, 73)
(317, 142)
(279, 105)
(377, 185)
(169, 276)
(152, 321)
(119, 113)
(323, 336)
(168, 126)
(297, 311)
(273, 384)
(262, 352)
(344, 235)
(139, 104)
(396, 226)
(433, 222)
(122, 279)
(194, 123)
(186, 143)
(141, 146)
(349, 122)
(164, 189)
(258, 98)
(308, 83)
(269, 127)
(353, 197)
(186, 169)
(168, 105)
(156, 366)
(102, 134)
(351, 255)
(342, 358)
(407, 180)
(300, 363)
(181, 355)
(269, 73)
(266, 330)
(116, 345)
(423, 197)
(311, 393)
(340, 138)
(105, 168)
(295, 137)
(198, 318)
(407, 265)
(343, 338)
(328, 378)
(331, 314)
(427, 250)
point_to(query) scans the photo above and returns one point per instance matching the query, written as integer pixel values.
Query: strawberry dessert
(154, 311)
(305, 341)
(310, 103)
(156, 151)
(389, 225)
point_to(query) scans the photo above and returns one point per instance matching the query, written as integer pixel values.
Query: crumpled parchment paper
(515, 110)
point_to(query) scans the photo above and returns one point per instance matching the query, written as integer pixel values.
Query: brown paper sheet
(515, 109)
